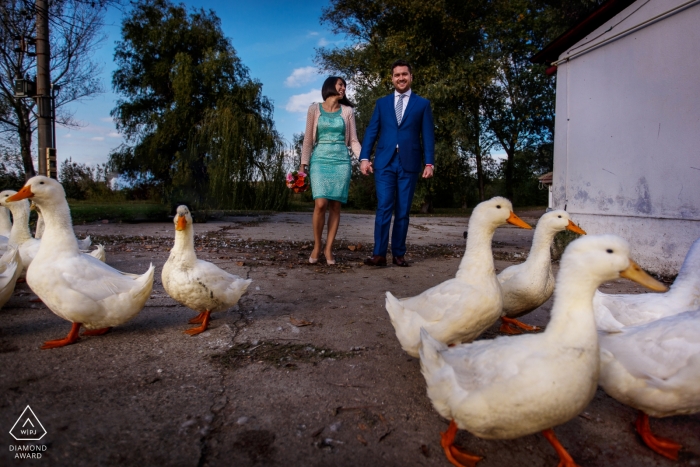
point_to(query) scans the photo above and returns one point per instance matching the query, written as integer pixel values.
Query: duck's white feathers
(76, 286)
(197, 284)
(98, 252)
(5, 223)
(83, 244)
(459, 309)
(613, 312)
(10, 269)
(654, 367)
(527, 285)
(91, 292)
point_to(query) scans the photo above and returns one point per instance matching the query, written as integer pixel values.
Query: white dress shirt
(405, 101)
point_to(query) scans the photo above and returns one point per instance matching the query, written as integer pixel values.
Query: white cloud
(107, 119)
(98, 138)
(323, 42)
(301, 102)
(68, 136)
(300, 77)
(313, 33)
(114, 134)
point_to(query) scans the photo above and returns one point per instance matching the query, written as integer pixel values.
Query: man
(399, 121)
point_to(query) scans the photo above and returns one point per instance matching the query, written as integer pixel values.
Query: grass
(144, 211)
(124, 211)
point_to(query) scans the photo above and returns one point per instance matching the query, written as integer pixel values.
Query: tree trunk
(479, 172)
(509, 173)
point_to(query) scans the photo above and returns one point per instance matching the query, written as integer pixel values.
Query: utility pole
(43, 86)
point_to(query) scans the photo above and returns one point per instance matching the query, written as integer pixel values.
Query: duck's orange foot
(203, 327)
(197, 319)
(35, 300)
(71, 338)
(664, 446)
(96, 332)
(565, 459)
(456, 456)
(508, 329)
(511, 325)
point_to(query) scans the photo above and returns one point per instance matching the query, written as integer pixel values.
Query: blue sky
(274, 39)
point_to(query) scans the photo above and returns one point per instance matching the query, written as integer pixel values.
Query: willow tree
(244, 159)
(195, 122)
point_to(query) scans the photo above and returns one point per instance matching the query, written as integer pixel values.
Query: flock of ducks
(80, 288)
(642, 349)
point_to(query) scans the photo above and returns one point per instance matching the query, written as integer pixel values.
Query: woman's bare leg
(319, 219)
(333, 222)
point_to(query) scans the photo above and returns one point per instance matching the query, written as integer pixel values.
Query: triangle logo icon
(28, 427)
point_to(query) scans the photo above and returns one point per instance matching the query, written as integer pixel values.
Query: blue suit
(396, 170)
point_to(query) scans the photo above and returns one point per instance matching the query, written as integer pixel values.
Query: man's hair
(401, 63)
(328, 89)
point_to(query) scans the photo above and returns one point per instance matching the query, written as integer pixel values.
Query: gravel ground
(306, 371)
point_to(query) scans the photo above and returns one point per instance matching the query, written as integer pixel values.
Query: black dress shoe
(400, 261)
(376, 261)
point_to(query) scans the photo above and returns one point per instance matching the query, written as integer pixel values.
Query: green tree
(194, 120)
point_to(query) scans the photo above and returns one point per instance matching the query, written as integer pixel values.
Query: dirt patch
(277, 354)
(256, 443)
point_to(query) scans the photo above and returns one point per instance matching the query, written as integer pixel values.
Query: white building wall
(627, 132)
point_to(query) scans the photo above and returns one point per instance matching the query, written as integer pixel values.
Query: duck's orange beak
(181, 223)
(24, 193)
(515, 220)
(635, 273)
(575, 228)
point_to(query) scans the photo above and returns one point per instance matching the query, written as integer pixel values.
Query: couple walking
(402, 128)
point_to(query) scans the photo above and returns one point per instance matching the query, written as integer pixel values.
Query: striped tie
(399, 108)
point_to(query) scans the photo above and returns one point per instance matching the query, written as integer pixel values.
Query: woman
(330, 129)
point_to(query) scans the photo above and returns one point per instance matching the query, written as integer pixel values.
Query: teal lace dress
(329, 168)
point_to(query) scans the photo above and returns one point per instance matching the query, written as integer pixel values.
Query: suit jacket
(417, 121)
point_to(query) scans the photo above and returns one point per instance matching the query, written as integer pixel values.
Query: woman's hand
(301, 169)
(366, 167)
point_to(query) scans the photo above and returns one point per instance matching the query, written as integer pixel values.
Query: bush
(81, 181)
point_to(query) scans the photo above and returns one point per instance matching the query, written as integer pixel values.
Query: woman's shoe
(313, 260)
(330, 261)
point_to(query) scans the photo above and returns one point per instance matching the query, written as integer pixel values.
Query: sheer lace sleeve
(308, 146)
(352, 133)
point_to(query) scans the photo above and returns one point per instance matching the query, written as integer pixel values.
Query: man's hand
(366, 167)
(428, 171)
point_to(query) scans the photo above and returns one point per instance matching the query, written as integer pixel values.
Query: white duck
(655, 368)
(20, 234)
(75, 286)
(83, 244)
(459, 309)
(526, 286)
(10, 269)
(5, 223)
(514, 386)
(614, 312)
(195, 283)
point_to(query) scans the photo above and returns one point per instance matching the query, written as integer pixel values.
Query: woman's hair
(328, 89)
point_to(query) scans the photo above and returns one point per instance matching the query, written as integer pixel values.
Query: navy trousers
(395, 188)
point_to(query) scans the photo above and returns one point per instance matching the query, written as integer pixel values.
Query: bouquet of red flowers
(298, 181)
